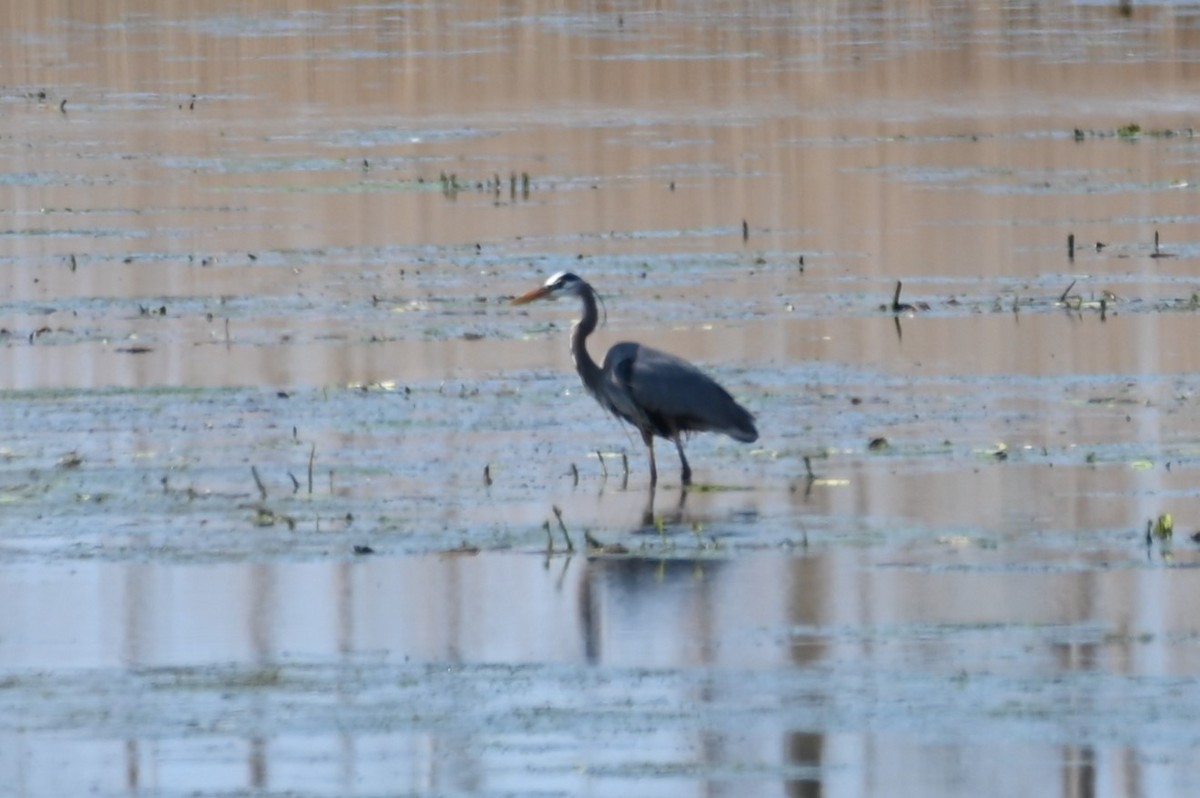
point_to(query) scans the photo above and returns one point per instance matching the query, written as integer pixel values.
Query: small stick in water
(312, 454)
(1066, 292)
(563, 527)
(262, 489)
(1158, 253)
(897, 305)
(1071, 246)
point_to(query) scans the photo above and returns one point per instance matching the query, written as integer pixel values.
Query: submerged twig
(262, 489)
(312, 454)
(603, 467)
(1062, 298)
(901, 307)
(1158, 253)
(810, 478)
(563, 527)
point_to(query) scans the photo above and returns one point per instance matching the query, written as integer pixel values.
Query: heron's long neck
(589, 372)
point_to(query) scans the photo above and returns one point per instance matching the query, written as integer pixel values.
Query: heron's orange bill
(536, 293)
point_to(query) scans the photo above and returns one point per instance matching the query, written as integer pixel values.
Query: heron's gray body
(665, 395)
(660, 394)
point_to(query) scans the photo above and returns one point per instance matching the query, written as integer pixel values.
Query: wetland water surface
(281, 469)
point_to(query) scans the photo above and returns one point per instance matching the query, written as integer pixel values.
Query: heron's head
(561, 284)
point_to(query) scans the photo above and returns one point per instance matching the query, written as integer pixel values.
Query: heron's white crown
(564, 284)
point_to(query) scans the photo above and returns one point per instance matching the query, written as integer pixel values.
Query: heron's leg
(686, 476)
(649, 440)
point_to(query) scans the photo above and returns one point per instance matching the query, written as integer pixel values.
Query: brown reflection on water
(878, 143)
(624, 622)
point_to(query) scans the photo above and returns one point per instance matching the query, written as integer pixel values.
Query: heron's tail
(742, 426)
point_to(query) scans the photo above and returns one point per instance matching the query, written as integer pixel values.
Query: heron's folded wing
(678, 396)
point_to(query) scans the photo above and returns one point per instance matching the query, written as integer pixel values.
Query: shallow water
(287, 485)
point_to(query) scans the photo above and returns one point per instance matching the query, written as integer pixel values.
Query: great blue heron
(658, 393)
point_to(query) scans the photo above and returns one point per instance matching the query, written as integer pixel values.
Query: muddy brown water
(273, 243)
